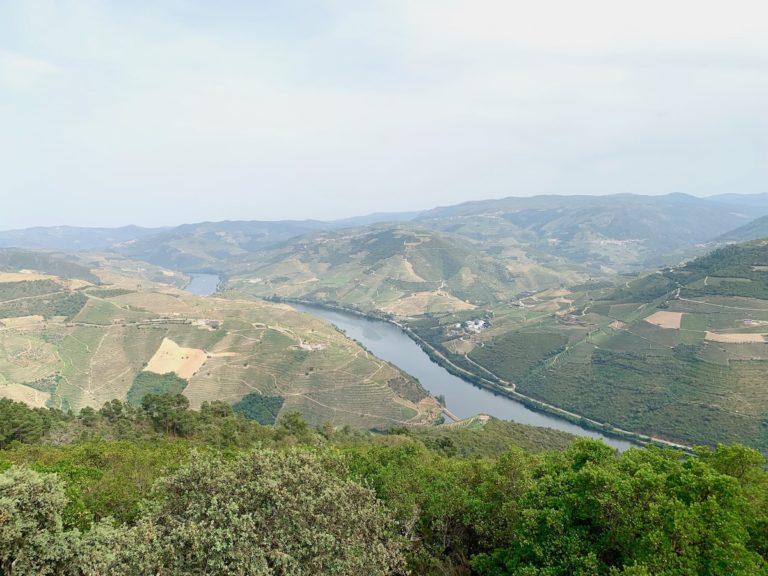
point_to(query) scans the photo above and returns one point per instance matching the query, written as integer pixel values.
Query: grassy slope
(403, 270)
(96, 354)
(598, 356)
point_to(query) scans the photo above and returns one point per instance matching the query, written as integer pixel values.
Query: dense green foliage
(739, 269)
(151, 383)
(512, 355)
(22, 424)
(740, 266)
(234, 497)
(262, 409)
(58, 302)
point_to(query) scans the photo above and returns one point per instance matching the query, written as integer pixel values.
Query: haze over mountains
(618, 232)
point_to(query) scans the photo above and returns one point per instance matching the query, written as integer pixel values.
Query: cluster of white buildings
(475, 326)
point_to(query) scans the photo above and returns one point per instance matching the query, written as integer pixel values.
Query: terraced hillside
(71, 343)
(680, 354)
(401, 270)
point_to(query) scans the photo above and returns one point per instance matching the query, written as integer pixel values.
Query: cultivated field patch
(171, 357)
(665, 319)
(743, 338)
(26, 394)
(23, 277)
(22, 323)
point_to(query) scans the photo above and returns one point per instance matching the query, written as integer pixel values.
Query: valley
(566, 303)
(70, 344)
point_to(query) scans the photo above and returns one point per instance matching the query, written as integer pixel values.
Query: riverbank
(496, 386)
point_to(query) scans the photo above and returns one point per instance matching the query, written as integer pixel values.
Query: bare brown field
(21, 393)
(665, 319)
(24, 277)
(735, 338)
(171, 357)
(408, 273)
(22, 323)
(616, 325)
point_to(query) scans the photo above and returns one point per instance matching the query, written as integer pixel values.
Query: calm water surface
(202, 284)
(462, 398)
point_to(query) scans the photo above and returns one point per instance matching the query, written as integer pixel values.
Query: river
(462, 398)
(203, 284)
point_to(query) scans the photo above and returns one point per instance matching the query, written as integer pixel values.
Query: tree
(294, 424)
(88, 416)
(32, 537)
(649, 511)
(265, 514)
(19, 422)
(169, 413)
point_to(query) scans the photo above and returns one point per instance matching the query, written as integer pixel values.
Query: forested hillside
(160, 489)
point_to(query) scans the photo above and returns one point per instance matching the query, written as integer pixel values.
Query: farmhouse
(475, 325)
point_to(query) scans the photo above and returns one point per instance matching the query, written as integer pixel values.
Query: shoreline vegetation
(498, 386)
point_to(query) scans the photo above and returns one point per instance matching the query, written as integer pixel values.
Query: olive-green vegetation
(118, 491)
(262, 409)
(402, 270)
(55, 264)
(596, 233)
(40, 297)
(515, 353)
(677, 354)
(151, 383)
(66, 344)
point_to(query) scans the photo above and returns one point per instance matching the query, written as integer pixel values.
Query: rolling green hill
(214, 245)
(73, 238)
(401, 270)
(207, 245)
(604, 234)
(12, 260)
(679, 354)
(70, 343)
(752, 231)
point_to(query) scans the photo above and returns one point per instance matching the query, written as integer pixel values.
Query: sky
(158, 113)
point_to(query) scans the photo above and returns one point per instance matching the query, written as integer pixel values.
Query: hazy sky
(161, 112)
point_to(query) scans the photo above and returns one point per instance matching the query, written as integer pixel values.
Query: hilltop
(73, 238)
(602, 234)
(401, 270)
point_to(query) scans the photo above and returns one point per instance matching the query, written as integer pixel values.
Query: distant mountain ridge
(604, 233)
(600, 234)
(73, 238)
(754, 230)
